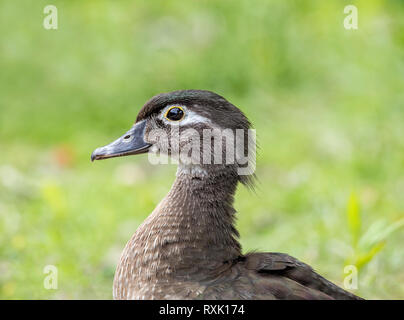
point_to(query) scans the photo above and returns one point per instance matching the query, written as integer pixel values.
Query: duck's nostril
(126, 137)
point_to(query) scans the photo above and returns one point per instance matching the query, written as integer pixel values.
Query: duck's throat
(191, 233)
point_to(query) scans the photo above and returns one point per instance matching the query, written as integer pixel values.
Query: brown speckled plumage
(188, 247)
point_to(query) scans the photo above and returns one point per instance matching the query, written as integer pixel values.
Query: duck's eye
(175, 114)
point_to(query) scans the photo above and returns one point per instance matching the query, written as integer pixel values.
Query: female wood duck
(188, 247)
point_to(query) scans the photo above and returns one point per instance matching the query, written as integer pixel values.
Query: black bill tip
(93, 157)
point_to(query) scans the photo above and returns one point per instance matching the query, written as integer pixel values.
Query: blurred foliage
(366, 246)
(327, 103)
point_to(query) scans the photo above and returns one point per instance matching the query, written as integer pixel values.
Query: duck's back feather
(273, 276)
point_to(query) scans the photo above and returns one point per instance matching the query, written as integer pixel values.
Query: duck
(188, 247)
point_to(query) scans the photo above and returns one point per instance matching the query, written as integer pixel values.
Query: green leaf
(354, 219)
(367, 257)
(379, 231)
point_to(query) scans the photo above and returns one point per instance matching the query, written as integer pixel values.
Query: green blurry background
(327, 104)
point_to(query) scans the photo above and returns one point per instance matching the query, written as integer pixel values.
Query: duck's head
(184, 125)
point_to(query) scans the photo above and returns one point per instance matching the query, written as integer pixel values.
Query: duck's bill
(132, 142)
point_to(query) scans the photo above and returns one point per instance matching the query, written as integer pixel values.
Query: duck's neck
(191, 233)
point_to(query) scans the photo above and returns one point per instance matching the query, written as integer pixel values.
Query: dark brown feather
(188, 249)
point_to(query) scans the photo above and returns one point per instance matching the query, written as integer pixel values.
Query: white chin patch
(191, 170)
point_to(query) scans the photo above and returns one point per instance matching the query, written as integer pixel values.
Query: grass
(327, 104)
